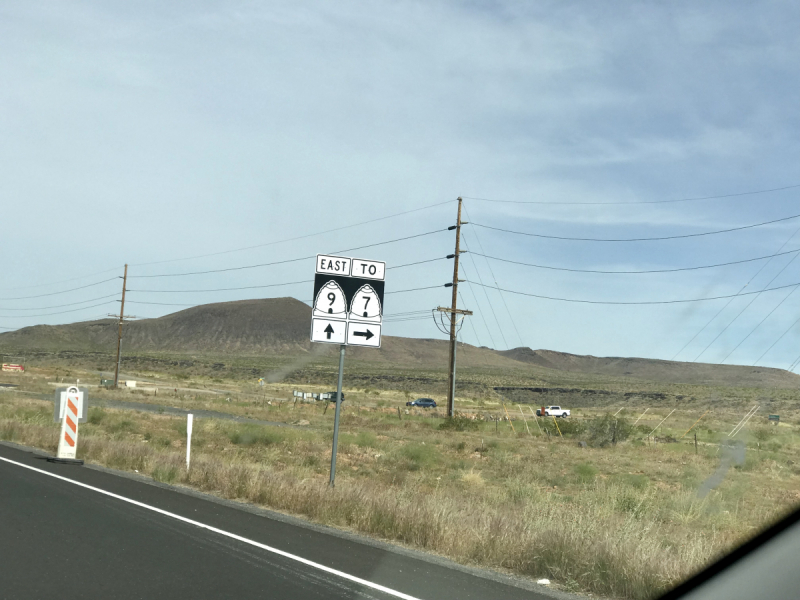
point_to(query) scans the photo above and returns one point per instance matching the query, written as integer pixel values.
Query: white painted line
(227, 534)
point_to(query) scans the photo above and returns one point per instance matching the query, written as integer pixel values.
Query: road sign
(363, 334)
(61, 402)
(328, 331)
(348, 301)
(68, 438)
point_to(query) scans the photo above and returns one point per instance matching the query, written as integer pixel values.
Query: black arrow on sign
(328, 330)
(368, 334)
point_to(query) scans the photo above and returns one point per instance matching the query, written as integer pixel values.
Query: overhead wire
(776, 341)
(83, 287)
(474, 331)
(647, 239)
(61, 305)
(641, 303)
(219, 253)
(252, 287)
(732, 321)
(648, 271)
(719, 312)
(494, 278)
(63, 312)
(735, 195)
(785, 298)
(26, 287)
(295, 238)
(489, 302)
(280, 262)
(480, 312)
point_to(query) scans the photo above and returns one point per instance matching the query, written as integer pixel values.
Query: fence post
(189, 421)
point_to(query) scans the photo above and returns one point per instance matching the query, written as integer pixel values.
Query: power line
(719, 312)
(474, 331)
(759, 324)
(26, 287)
(776, 341)
(779, 189)
(219, 253)
(280, 262)
(552, 268)
(300, 237)
(491, 272)
(62, 305)
(491, 305)
(253, 287)
(83, 287)
(742, 311)
(649, 239)
(63, 312)
(645, 303)
(480, 312)
(233, 289)
(430, 287)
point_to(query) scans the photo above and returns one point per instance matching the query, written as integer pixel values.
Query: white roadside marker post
(189, 421)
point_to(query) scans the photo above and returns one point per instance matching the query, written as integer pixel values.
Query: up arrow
(365, 334)
(329, 330)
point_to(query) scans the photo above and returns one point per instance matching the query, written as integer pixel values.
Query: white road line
(228, 534)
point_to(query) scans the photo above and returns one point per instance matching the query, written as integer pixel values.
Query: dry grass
(623, 521)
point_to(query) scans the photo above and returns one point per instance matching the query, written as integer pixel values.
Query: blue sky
(150, 132)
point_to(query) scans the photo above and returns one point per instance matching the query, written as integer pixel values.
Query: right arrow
(366, 334)
(328, 330)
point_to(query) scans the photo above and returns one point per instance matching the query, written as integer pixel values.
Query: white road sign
(328, 331)
(369, 269)
(334, 265)
(366, 305)
(363, 334)
(348, 301)
(330, 302)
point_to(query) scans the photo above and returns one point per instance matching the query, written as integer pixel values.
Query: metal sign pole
(336, 417)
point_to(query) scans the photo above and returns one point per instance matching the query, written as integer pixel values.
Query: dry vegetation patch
(621, 517)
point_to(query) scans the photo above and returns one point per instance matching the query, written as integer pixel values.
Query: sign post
(71, 406)
(348, 311)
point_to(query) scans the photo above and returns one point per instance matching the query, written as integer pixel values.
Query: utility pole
(454, 311)
(119, 334)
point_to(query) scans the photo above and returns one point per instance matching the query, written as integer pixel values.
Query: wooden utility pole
(119, 334)
(451, 388)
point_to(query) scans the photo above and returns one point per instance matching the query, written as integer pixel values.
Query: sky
(186, 137)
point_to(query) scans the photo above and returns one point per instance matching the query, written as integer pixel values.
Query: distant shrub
(605, 430)
(571, 427)
(762, 434)
(458, 423)
(248, 436)
(585, 472)
(419, 455)
(96, 416)
(636, 481)
(366, 439)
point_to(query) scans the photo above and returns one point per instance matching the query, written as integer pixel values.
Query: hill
(280, 326)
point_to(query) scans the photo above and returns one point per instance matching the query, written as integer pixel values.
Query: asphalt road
(83, 535)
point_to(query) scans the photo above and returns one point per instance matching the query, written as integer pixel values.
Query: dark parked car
(423, 403)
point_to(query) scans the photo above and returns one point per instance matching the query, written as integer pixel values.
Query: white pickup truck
(552, 411)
